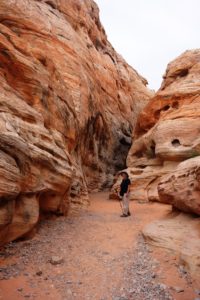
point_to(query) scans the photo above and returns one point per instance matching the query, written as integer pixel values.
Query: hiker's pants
(125, 203)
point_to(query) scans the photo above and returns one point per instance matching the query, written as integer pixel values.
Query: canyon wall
(68, 105)
(164, 160)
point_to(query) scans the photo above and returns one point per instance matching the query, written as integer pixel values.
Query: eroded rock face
(182, 187)
(68, 104)
(167, 138)
(178, 232)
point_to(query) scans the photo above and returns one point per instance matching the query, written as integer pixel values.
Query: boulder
(182, 188)
(179, 233)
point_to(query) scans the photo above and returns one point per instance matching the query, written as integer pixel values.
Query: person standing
(124, 193)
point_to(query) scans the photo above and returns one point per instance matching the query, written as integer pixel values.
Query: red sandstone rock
(182, 187)
(68, 104)
(180, 87)
(180, 233)
(167, 134)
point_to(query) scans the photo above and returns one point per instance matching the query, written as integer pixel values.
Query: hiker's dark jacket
(124, 186)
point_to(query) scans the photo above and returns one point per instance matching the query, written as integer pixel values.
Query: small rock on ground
(56, 260)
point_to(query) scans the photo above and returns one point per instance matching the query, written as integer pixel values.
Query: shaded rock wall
(164, 158)
(68, 105)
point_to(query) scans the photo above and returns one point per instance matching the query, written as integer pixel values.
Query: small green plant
(193, 153)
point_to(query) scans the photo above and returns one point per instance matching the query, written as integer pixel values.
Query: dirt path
(102, 257)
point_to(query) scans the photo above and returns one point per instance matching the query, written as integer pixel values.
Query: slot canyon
(73, 115)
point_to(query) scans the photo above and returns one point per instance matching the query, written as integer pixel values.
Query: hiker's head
(124, 175)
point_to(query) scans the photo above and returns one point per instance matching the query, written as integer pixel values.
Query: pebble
(39, 273)
(182, 270)
(56, 260)
(162, 286)
(178, 289)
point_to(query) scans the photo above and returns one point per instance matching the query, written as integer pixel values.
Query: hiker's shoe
(124, 216)
(129, 214)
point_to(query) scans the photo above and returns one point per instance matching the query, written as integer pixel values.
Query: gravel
(139, 281)
(48, 257)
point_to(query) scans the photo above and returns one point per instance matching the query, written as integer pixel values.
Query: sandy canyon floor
(94, 254)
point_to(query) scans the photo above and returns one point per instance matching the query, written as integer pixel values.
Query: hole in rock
(5, 53)
(98, 44)
(175, 105)
(176, 143)
(125, 141)
(138, 154)
(4, 201)
(50, 3)
(183, 73)
(151, 151)
(142, 166)
(166, 107)
(43, 61)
